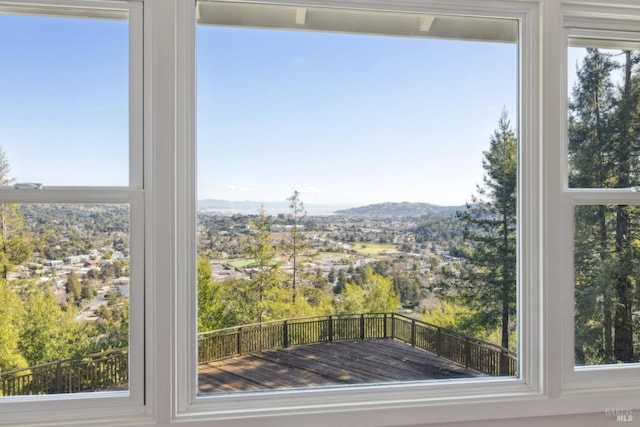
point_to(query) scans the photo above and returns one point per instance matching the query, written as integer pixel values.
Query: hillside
(403, 209)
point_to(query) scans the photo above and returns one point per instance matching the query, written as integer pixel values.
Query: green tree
(453, 315)
(604, 135)
(111, 330)
(591, 112)
(88, 290)
(489, 285)
(15, 247)
(11, 316)
(376, 295)
(266, 275)
(49, 333)
(296, 237)
(210, 306)
(240, 302)
(625, 149)
(332, 276)
(74, 286)
(341, 281)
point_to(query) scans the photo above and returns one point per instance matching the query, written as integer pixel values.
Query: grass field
(241, 262)
(374, 248)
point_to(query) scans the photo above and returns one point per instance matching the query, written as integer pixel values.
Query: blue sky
(64, 105)
(347, 119)
(344, 119)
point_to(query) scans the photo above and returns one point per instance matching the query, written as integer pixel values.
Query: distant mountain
(230, 205)
(248, 207)
(403, 209)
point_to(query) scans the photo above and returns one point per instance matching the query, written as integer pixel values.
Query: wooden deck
(335, 363)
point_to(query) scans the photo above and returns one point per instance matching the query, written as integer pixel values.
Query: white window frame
(44, 409)
(618, 27)
(367, 398)
(551, 391)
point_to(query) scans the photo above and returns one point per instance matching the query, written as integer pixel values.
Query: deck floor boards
(344, 362)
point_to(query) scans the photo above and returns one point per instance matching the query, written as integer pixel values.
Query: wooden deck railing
(470, 352)
(96, 372)
(110, 370)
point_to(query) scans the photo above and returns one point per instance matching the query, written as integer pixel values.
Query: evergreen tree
(74, 286)
(604, 143)
(590, 129)
(296, 237)
(590, 134)
(489, 288)
(15, 247)
(267, 270)
(332, 276)
(625, 145)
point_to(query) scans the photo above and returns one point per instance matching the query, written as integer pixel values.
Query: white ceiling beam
(426, 22)
(301, 15)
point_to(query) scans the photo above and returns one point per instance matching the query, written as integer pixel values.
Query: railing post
(504, 363)
(239, 341)
(384, 326)
(330, 328)
(59, 378)
(362, 326)
(413, 333)
(438, 342)
(393, 326)
(285, 334)
(467, 352)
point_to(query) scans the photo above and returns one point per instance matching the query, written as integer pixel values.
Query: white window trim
(45, 410)
(549, 391)
(389, 397)
(618, 26)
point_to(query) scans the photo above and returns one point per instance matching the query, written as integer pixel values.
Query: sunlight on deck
(326, 364)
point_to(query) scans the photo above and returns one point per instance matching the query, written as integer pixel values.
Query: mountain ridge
(386, 209)
(401, 209)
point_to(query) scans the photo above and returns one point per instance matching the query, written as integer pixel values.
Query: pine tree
(74, 286)
(267, 270)
(625, 152)
(604, 140)
(590, 134)
(590, 130)
(489, 285)
(296, 236)
(15, 247)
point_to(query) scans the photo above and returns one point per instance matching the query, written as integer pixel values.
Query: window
(153, 188)
(333, 233)
(601, 134)
(72, 207)
(228, 112)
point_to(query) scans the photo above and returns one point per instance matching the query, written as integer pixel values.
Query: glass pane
(606, 266)
(64, 289)
(603, 120)
(333, 172)
(64, 110)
